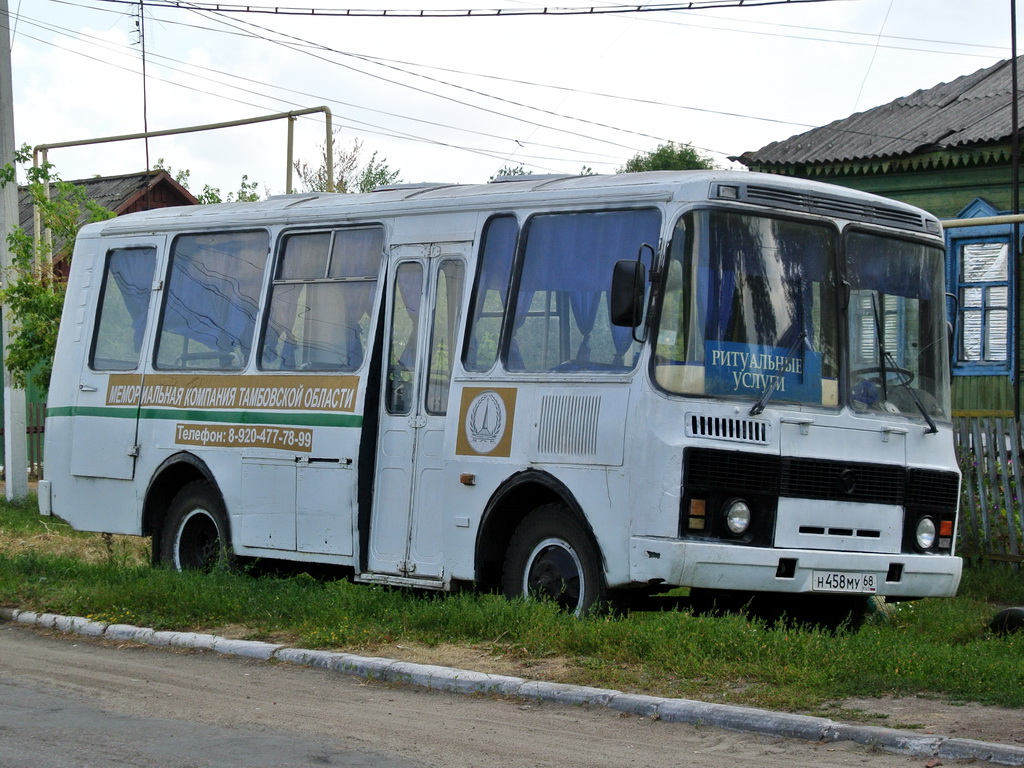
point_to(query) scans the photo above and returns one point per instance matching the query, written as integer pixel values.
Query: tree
(520, 170)
(511, 170)
(32, 295)
(668, 157)
(375, 173)
(247, 190)
(348, 176)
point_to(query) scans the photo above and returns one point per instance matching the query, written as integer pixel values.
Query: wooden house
(121, 194)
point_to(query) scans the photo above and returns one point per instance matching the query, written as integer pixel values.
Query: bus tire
(551, 557)
(195, 533)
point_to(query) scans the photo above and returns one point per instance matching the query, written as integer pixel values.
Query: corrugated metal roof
(109, 191)
(971, 110)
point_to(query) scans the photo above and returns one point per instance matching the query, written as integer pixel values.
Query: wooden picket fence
(991, 458)
(35, 424)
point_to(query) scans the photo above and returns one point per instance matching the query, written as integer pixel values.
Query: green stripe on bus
(224, 417)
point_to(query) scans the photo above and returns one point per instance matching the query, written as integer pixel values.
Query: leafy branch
(31, 293)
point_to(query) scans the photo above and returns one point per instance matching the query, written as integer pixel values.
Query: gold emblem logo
(486, 419)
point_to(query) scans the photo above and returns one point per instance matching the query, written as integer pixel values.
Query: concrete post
(15, 444)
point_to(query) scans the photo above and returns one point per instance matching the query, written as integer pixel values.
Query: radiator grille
(802, 478)
(933, 488)
(841, 481)
(733, 470)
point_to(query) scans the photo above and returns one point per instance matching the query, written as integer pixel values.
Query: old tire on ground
(551, 557)
(1008, 621)
(196, 534)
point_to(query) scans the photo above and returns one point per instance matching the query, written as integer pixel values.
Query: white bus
(571, 386)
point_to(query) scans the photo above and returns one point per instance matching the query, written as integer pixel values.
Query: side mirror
(627, 297)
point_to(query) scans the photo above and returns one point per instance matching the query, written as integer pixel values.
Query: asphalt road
(71, 701)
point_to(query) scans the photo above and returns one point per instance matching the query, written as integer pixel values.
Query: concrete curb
(437, 678)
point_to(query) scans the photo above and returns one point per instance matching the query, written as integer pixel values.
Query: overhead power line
(983, 50)
(456, 13)
(349, 123)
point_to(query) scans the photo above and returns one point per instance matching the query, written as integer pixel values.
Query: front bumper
(710, 565)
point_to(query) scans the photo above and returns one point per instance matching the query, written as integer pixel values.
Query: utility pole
(1015, 205)
(15, 449)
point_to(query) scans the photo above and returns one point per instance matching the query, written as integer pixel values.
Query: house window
(984, 299)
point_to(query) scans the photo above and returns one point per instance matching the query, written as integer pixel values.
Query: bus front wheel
(550, 557)
(195, 534)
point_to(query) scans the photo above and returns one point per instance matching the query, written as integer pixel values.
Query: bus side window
(447, 306)
(213, 299)
(123, 309)
(490, 293)
(562, 320)
(322, 300)
(405, 323)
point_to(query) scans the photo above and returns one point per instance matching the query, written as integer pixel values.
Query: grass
(939, 648)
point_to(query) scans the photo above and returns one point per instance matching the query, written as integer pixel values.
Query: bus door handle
(83, 387)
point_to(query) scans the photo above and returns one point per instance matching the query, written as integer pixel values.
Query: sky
(444, 98)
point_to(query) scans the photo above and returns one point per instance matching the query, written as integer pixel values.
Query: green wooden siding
(975, 394)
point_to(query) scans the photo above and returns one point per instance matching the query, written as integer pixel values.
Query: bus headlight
(737, 516)
(924, 534)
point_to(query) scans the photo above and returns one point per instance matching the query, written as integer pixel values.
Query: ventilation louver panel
(727, 428)
(831, 206)
(569, 425)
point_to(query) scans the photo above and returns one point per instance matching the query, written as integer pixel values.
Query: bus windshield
(897, 323)
(749, 310)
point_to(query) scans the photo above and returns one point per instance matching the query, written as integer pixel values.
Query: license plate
(837, 581)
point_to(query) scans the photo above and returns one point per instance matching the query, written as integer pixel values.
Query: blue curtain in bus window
(356, 259)
(212, 300)
(321, 300)
(584, 309)
(124, 307)
(568, 262)
(890, 266)
(748, 261)
(132, 270)
(491, 294)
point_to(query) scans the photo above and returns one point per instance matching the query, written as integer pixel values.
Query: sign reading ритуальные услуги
(750, 369)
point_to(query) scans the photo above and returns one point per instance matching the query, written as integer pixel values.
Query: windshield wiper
(880, 343)
(773, 385)
(904, 380)
(884, 356)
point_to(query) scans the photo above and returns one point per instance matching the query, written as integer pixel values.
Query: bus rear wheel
(195, 533)
(550, 557)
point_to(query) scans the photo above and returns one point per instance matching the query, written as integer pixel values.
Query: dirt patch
(480, 658)
(933, 716)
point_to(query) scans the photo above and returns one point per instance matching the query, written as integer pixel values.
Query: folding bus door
(114, 346)
(424, 305)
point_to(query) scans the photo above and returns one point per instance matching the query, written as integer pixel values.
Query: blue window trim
(955, 238)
